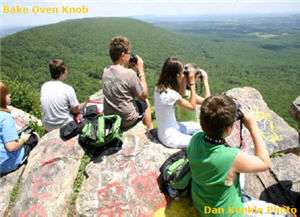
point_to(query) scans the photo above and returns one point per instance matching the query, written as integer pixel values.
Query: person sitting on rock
(216, 167)
(14, 151)
(122, 86)
(171, 133)
(181, 113)
(58, 100)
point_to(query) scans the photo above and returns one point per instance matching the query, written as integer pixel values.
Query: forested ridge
(270, 64)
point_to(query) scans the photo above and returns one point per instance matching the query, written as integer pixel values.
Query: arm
(140, 69)
(10, 135)
(182, 87)
(245, 163)
(76, 109)
(207, 93)
(205, 83)
(15, 145)
(191, 104)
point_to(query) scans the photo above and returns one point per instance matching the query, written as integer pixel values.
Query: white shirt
(57, 99)
(168, 129)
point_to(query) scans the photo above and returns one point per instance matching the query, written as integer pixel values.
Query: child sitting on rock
(13, 150)
(167, 95)
(216, 167)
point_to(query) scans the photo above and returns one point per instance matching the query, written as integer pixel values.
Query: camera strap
(241, 133)
(211, 140)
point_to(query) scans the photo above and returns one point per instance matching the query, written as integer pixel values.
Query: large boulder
(277, 134)
(22, 118)
(8, 181)
(126, 183)
(280, 184)
(47, 183)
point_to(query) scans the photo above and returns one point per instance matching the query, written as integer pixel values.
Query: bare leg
(147, 119)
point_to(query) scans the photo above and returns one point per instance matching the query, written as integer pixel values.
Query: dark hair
(217, 113)
(57, 67)
(168, 76)
(118, 45)
(3, 93)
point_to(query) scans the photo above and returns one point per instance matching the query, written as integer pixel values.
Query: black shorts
(142, 106)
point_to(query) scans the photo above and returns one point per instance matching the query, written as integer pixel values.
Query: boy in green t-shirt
(216, 167)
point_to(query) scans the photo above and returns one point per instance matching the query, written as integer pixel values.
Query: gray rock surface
(47, 183)
(97, 96)
(22, 118)
(8, 181)
(125, 182)
(280, 184)
(7, 184)
(277, 134)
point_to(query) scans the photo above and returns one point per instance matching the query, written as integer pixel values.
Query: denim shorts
(189, 127)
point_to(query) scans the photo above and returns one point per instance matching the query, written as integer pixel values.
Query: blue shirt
(8, 132)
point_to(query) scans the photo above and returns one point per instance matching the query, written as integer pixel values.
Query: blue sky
(106, 8)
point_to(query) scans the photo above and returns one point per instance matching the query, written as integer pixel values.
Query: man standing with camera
(121, 86)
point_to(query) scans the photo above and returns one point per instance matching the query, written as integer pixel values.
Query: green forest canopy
(232, 58)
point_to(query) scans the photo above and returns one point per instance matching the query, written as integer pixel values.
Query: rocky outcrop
(125, 183)
(280, 184)
(277, 134)
(47, 183)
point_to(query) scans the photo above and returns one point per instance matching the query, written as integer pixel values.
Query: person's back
(120, 87)
(125, 92)
(216, 168)
(58, 100)
(210, 165)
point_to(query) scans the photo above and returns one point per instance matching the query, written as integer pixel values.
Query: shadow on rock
(281, 194)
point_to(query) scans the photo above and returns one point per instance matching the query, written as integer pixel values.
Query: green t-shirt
(210, 165)
(183, 114)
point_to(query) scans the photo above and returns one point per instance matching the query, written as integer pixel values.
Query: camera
(197, 73)
(26, 129)
(133, 59)
(240, 115)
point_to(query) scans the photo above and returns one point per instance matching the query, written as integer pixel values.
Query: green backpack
(101, 133)
(176, 176)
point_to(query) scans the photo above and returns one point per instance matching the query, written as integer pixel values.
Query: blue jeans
(268, 209)
(189, 127)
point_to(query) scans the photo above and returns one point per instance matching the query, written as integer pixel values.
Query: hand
(191, 76)
(140, 64)
(249, 118)
(25, 136)
(204, 75)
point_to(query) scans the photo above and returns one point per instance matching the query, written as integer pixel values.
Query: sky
(125, 8)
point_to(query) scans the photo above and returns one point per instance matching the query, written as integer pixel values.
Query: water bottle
(172, 193)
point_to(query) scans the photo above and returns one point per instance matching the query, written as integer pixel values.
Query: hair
(3, 93)
(57, 67)
(118, 45)
(168, 76)
(192, 65)
(217, 113)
